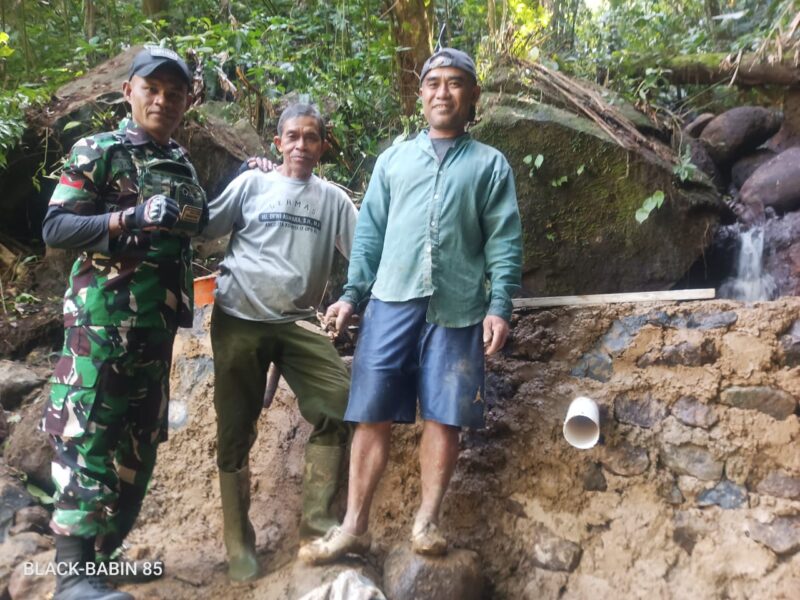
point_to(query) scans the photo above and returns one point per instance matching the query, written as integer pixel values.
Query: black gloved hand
(157, 212)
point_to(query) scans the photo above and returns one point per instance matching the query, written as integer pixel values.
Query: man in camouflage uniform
(130, 200)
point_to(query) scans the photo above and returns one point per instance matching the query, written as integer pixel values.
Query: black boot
(72, 582)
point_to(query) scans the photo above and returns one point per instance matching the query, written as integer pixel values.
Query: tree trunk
(412, 32)
(152, 8)
(88, 19)
(706, 69)
(24, 32)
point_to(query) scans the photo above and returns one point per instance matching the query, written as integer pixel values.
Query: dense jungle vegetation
(357, 58)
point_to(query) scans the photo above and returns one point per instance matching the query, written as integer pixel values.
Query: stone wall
(694, 489)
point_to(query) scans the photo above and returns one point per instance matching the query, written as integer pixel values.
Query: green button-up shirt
(448, 231)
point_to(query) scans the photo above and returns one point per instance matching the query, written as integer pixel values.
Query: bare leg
(438, 454)
(369, 454)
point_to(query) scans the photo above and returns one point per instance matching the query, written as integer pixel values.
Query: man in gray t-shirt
(285, 226)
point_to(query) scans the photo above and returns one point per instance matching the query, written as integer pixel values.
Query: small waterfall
(750, 283)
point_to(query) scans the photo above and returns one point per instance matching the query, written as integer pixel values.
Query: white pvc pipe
(582, 424)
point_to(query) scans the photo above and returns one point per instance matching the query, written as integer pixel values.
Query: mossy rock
(578, 206)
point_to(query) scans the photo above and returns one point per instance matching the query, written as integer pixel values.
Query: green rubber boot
(320, 484)
(239, 535)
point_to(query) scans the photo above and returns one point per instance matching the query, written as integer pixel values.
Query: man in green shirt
(438, 246)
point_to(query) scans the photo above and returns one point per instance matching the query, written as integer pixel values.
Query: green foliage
(340, 55)
(617, 43)
(685, 169)
(536, 162)
(12, 117)
(649, 205)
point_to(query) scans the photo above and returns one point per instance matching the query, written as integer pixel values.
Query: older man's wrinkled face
(302, 145)
(447, 95)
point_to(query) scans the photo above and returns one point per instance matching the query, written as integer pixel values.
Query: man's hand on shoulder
(495, 333)
(262, 163)
(157, 212)
(340, 313)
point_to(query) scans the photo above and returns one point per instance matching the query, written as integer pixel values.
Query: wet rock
(545, 584)
(16, 382)
(595, 365)
(698, 124)
(698, 154)
(554, 553)
(774, 402)
(782, 261)
(13, 497)
(408, 576)
(626, 460)
(17, 549)
(28, 449)
(515, 508)
(31, 518)
(790, 346)
(593, 479)
(686, 353)
(743, 168)
(4, 426)
(689, 411)
(780, 484)
(689, 354)
(739, 131)
(642, 412)
(685, 537)
(704, 321)
(24, 585)
(670, 492)
(782, 535)
(621, 333)
(725, 494)
(775, 184)
(689, 459)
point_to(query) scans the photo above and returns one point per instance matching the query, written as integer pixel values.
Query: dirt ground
(624, 519)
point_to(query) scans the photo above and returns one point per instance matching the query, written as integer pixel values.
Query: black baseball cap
(449, 57)
(152, 58)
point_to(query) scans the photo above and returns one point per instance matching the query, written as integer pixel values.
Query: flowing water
(751, 282)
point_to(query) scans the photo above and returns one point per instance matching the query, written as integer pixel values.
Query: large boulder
(28, 449)
(739, 131)
(578, 205)
(776, 184)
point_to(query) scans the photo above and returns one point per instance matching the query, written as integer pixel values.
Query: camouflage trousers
(106, 415)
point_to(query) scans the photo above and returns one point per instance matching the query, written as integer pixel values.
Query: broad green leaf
(528, 159)
(71, 125)
(539, 160)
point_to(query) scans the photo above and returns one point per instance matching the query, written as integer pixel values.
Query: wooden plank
(668, 296)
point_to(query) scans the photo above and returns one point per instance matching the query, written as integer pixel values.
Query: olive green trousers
(243, 351)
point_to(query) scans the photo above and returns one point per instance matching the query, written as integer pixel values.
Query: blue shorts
(400, 357)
